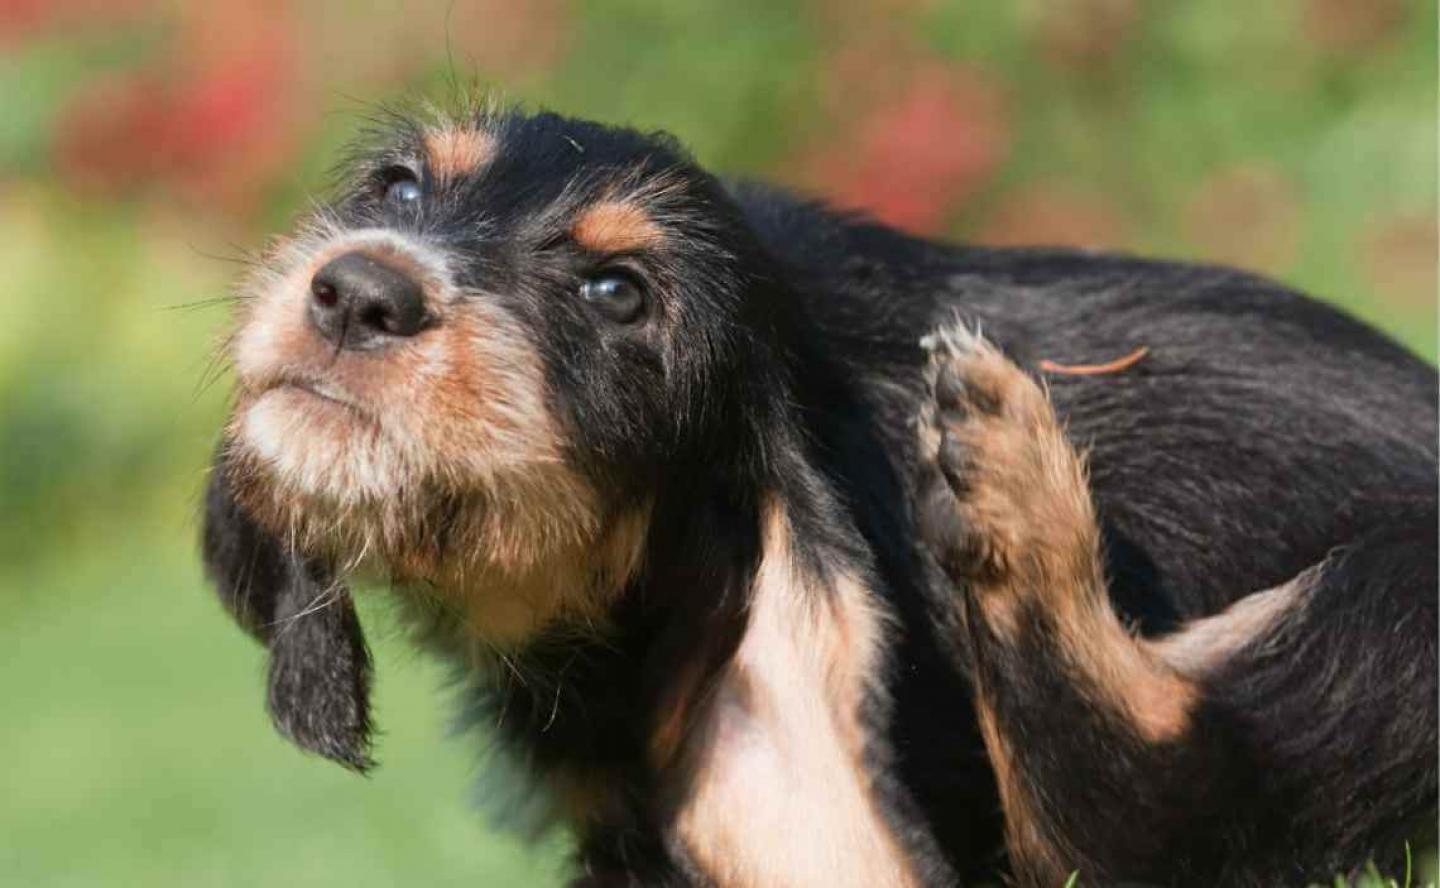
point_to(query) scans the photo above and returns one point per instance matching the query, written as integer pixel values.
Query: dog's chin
(338, 483)
(320, 447)
(495, 565)
(326, 476)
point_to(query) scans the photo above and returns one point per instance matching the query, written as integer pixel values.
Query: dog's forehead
(498, 184)
(454, 151)
(520, 163)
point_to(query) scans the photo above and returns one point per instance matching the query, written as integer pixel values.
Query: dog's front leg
(1218, 754)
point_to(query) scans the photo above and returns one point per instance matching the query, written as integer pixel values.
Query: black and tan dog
(763, 591)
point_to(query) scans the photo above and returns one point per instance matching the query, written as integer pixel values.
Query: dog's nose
(359, 302)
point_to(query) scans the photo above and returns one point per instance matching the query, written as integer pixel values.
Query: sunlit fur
(674, 555)
(439, 461)
(1157, 727)
(784, 739)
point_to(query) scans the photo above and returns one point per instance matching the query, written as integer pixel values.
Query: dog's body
(737, 661)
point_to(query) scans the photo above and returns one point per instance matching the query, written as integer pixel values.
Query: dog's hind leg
(1285, 739)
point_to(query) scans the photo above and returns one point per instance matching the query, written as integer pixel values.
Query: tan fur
(435, 460)
(453, 151)
(501, 607)
(1204, 645)
(616, 226)
(781, 795)
(1025, 835)
(1037, 541)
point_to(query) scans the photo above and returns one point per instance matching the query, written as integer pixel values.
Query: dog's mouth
(315, 434)
(312, 393)
(373, 434)
(321, 389)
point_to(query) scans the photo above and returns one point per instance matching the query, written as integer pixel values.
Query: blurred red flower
(211, 117)
(913, 156)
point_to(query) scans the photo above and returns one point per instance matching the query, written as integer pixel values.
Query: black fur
(1263, 431)
(319, 673)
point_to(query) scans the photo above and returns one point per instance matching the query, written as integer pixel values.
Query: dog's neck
(743, 673)
(739, 689)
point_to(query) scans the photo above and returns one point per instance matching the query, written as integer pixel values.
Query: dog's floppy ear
(319, 693)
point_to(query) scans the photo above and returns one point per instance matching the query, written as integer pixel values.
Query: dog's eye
(401, 189)
(615, 294)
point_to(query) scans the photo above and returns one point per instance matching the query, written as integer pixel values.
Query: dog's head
(466, 375)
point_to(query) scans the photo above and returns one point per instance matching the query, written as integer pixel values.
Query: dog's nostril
(361, 302)
(324, 293)
(376, 317)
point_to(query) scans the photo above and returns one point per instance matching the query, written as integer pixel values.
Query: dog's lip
(318, 388)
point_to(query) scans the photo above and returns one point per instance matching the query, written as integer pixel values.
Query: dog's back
(1237, 434)
(1260, 421)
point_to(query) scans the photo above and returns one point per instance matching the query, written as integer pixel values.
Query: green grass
(142, 754)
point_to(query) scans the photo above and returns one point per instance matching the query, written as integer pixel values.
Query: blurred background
(145, 143)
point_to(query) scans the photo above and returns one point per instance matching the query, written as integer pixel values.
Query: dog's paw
(1002, 490)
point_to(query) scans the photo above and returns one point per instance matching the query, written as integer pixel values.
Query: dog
(762, 535)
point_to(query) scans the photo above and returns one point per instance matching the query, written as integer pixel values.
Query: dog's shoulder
(1249, 399)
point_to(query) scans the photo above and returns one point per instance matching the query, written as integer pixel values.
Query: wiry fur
(677, 558)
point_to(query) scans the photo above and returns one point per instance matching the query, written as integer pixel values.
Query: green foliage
(1371, 877)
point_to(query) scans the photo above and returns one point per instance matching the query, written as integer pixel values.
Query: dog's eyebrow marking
(452, 152)
(616, 226)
